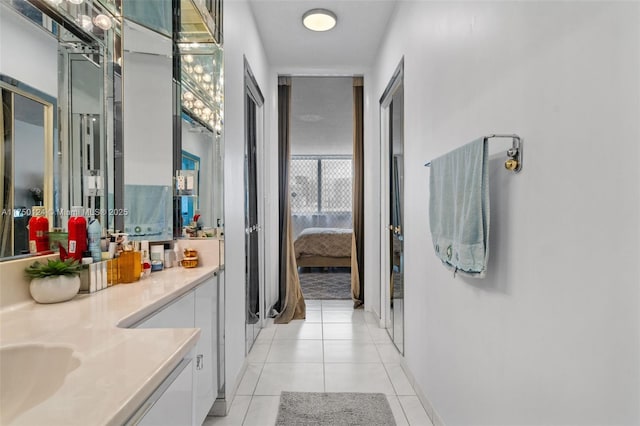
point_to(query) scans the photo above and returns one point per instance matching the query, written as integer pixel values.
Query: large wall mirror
(59, 79)
(173, 101)
(114, 101)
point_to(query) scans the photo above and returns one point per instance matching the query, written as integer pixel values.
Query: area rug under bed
(335, 409)
(325, 285)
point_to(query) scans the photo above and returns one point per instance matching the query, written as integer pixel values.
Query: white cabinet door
(206, 357)
(173, 407)
(177, 314)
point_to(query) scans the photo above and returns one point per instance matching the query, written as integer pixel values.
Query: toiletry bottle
(38, 230)
(94, 232)
(77, 233)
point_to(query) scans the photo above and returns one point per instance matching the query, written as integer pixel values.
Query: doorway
(392, 184)
(321, 184)
(254, 238)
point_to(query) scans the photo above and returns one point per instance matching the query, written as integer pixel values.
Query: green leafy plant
(53, 268)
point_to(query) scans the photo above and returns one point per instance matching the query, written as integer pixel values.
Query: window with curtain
(321, 192)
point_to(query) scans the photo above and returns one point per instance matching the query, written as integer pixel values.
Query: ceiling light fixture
(319, 20)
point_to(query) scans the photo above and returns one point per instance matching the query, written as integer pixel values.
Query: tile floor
(336, 349)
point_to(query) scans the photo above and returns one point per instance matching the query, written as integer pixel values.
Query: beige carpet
(335, 409)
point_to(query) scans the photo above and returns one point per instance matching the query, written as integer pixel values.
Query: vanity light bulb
(103, 22)
(206, 111)
(188, 96)
(75, 1)
(188, 69)
(85, 22)
(199, 103)
(188, 59)
(207, 78)
(198, 68)
(188, 104)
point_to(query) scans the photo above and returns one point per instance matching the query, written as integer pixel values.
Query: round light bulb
(206, 111)
(55, 2)
(198, 68)
(188, 104)
(85, 22)
(199, 103)
(207, 78)
(103, 22)
(188, 96)
(188, 59)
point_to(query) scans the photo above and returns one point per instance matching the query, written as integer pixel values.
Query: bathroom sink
(31, 373)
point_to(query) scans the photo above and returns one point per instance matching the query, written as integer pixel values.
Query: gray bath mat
(317, 408)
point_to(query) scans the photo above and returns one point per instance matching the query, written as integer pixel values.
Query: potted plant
(54, 281)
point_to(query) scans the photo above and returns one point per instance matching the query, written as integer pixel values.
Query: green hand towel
(459, 208)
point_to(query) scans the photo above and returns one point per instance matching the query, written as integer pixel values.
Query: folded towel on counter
(459, 208)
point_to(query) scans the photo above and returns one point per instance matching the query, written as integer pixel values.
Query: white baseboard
(426, 403)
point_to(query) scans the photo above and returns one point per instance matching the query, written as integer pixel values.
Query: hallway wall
(551, 336)
(241, 39)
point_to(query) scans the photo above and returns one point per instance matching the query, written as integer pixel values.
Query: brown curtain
(292, 304)
(357, 243)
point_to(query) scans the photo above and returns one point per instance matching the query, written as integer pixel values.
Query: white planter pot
(55, 289)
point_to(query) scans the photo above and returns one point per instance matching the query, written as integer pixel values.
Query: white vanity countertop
(119, 367)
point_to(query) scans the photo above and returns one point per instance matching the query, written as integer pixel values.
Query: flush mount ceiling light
(319, 20)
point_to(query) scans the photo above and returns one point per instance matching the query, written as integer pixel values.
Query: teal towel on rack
(459, 208)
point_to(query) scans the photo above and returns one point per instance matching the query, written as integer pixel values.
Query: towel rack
(514, 154)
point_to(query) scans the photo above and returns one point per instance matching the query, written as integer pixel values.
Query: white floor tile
(295, 351)
(313, 305)
(379, 335)
(414, 411)
(259, 351)
(343, 331)
(399, 380)
(266, 333)
(350, 351)
(298, 330)
(337, 305)
(313, 316)
(354, 317)
(357, 378)
(249, 379)
(263, 411)
(396, 409)
(389, 353)
(371, 318)
(236, 415)
(295, 377)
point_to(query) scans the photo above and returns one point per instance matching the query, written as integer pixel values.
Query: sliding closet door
(392, 250)
(253, 228)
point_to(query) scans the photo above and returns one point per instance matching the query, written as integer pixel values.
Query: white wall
(241, 39)
(551, 336)
(17, 36)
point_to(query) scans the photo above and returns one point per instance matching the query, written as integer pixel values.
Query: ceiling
(349, 48)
